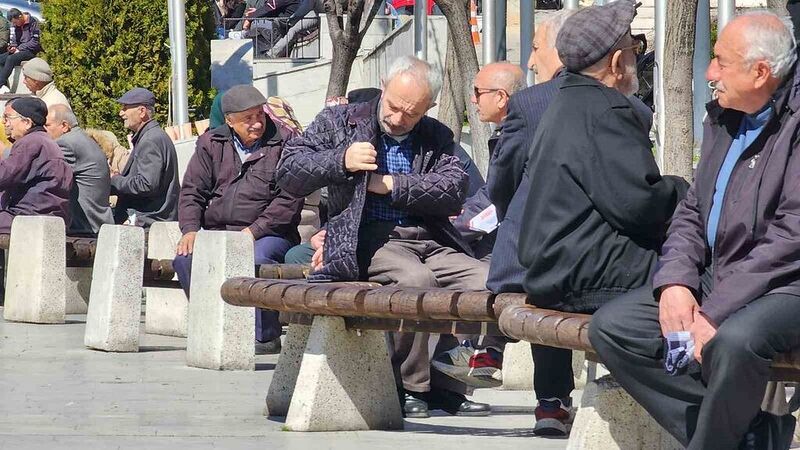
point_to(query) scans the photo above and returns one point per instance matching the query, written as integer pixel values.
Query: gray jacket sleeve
(312, 160)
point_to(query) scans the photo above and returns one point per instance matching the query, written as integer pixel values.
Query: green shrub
(98, 49)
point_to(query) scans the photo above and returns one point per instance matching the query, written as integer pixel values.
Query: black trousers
(713, 407)
(8, 62)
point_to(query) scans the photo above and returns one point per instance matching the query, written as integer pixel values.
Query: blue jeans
(268, 250)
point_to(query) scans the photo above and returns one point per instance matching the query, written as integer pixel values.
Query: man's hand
(249, 11)
(360, 156)
(380, 184)
(316, 259)
(676, 309)
(703, 330)
(246, 25)
(318, 240)
(12, 50)
(186, 244)
(249, 233)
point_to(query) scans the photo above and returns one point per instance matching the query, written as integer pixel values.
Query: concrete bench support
(35, 289)
(221, 336)
(115, 305)
(518, 367)
(610, 419)
(347, 382)
(281, 388)
(78, 289)
(167, 309)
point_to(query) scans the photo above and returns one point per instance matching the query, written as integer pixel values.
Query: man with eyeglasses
(597, 208)
(34, 178)
(148, 185)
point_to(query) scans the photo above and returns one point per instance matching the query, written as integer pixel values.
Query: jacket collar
(147, 126)
(49, 87)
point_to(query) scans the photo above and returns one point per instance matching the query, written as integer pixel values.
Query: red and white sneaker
(553, 417)
(476, 368)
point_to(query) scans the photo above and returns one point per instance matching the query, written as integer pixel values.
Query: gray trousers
(412, 259)
(711, 408)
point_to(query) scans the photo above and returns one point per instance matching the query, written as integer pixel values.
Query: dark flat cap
(138, 96)
(589, 34)
(241, 98)
(32, 108)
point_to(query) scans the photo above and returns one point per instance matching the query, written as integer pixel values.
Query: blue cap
(138, 96)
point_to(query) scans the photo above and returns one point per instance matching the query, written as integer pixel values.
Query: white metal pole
(658, 79)
(489, 35)
(726, 9)
(421, 29)
(179, 75)
(526, 30)
(702, 57)
(571, 4)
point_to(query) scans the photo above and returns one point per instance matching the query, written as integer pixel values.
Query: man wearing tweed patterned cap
(597, 206)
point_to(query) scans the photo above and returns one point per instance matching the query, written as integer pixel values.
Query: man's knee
(736, 343)
(414, 275)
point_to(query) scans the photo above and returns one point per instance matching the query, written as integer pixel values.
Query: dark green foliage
(98, 49)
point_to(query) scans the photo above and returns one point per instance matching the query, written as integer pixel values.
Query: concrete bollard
(115, 303)
(221, 336)
(518, 367)
(78, 289)
(167, 309)
(610, 419)
(281, 388)
(347, 382)
(35, 285)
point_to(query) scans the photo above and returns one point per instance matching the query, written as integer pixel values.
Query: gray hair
(63, 113)
(420, 70)
(555, 21)
(774, 44)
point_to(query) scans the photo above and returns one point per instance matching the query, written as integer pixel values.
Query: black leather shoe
(415, 408)
(458, 405)
(272, 347)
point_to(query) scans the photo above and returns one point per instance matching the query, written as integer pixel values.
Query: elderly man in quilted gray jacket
(393, 182)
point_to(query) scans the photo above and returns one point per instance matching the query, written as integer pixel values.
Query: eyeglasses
(480, 91)
(11, 117)
(639, 45)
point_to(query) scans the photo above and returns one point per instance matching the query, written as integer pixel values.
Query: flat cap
(588, 35)
(241, 98)
(37, 69)
(138, 96)
(32, 108)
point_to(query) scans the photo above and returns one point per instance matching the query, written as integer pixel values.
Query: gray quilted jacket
(433, 191)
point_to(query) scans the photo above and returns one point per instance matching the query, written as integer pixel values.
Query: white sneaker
(4, 90)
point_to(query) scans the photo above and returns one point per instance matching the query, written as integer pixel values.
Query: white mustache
(716, 87)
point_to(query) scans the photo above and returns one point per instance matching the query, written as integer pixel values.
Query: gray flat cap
(37, 69)
(241, 98)
(138, 96)
(589, 34)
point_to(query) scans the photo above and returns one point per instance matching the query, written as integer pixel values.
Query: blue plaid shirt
(394, 157)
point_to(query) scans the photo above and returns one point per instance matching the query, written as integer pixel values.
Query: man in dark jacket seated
(729, 273)
(230, 185)
(597, 208)
(392, 184)
(34, 178)
(25, 45)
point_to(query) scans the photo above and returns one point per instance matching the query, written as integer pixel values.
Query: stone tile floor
(54, 393)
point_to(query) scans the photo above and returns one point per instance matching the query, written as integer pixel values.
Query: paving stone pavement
(55, 393)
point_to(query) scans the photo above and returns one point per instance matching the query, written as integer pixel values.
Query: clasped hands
(361, 156)
(678, 311)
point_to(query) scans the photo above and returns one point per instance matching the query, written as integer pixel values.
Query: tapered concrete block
(281, 388)
(518, 367)
(36, 274)
(610, 419)
(345, 382)
(221, 336)
(78, 289)
(167, 309)
(115, 302)
(167, 312)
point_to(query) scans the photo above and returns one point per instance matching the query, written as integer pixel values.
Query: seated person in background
(392, 183)
(148, 185)
(38, 78)
(227, 9)
(34, 178)
(25, 45)
(116, 155)
(271, 8)
(229, 185)
(89, 207)
(728, 277)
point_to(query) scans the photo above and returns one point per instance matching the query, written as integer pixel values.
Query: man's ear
(763, 74)
(616, 64)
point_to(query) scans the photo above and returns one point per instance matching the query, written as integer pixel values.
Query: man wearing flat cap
(34, 178)
(597, 207)
(147, 188)
(38, 78)
(230, 185)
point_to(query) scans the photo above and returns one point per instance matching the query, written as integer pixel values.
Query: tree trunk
(457, 14)
(451, 110)
(679, 118)
(347, 26)
(778, 7)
